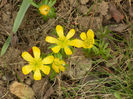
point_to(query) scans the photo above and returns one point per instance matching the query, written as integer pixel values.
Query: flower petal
(83, 36)
(27, 69)
(56, 49)
(51, 39)
(62, 68)
(45, 69)
(76, 42)
(70, 34)
(62, 62)
(68, 51)
(37, 75)
(48, 60)
(36, 52)
(90, 33)
(59, 30)
(90, 44)
(55, 68)
(26, 56)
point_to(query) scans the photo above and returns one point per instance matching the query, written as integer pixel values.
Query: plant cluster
(55, 60)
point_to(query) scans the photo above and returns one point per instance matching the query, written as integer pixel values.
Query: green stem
(34, 4)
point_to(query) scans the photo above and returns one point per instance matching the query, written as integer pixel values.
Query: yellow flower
(58, 65)
(64, 42)
(44, 9)
(36, 63)
(88, 39)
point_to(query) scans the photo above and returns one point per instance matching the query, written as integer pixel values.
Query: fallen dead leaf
(103, 8)
(21, 90)
(116, 14)
(118, 28)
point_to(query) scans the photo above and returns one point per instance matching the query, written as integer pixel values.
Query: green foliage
(100, 49)
(23, 8)
(5, 46)
(117, 95)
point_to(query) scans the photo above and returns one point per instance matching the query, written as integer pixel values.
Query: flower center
(44, 9)
(36, 63)
(63, 42)
(88, 42)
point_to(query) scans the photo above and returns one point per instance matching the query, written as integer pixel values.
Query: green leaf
(51, 3)
(5, 46)
(23, 8)
(52, 13)
(117, 95)
(45, 2)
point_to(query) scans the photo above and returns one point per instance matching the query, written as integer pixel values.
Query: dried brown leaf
(116, 14)
(21, 90)
(103, 8)
(118, 28)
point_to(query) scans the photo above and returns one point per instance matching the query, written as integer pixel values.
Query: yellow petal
(48, 60)
(37, 75)
(27, 69)
(62, 68)
(56, 49)
(36, 52)
(51, 39)
(76, 42)
(59, 30)
(90, 33)
(45, 69)
(62, 62)
(70, 34)
(26, 56)
(44, 9)
(83, 36)
(68, 51)
(55, 68)
(88, 43)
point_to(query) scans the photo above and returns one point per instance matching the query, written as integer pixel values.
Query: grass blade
(5, 46)
(23, 8)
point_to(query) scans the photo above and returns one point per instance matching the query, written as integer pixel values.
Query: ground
(102, 74)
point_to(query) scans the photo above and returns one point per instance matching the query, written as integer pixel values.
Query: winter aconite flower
(36, 63)
(62, 41)
(88, 39)
(58, 65)
(44, 9)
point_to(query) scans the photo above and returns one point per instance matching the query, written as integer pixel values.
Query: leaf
(23, 8)
(52, 2)
(103, 8)
(21, 90)
(45, 2)
(116, 13)
(5, 46)
(117, 95)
